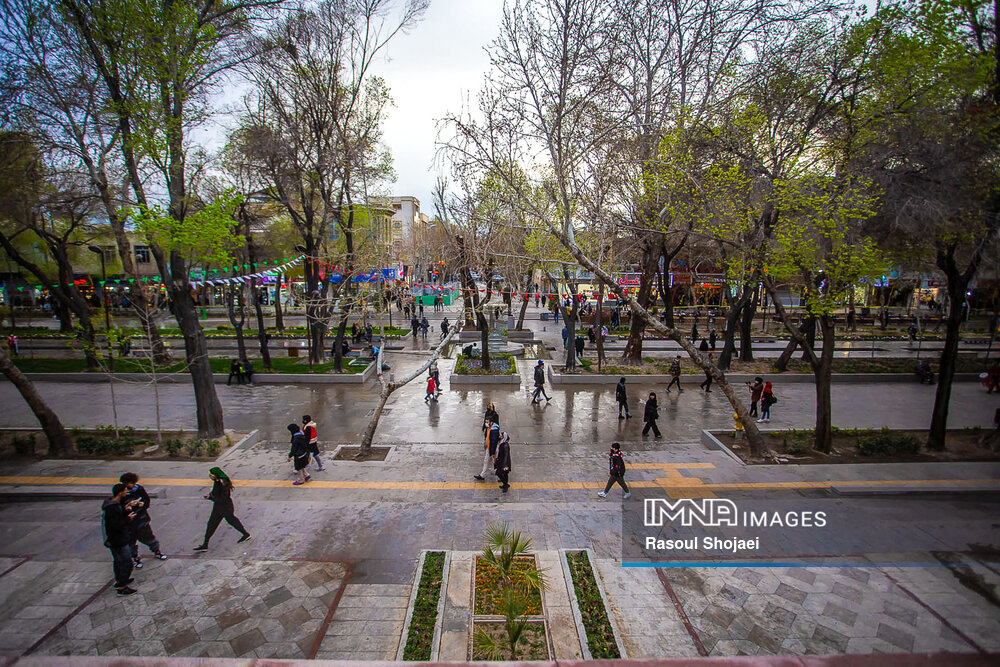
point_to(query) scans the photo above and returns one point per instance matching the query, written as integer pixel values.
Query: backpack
(617, 465)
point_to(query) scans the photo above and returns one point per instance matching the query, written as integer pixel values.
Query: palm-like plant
(502, 549)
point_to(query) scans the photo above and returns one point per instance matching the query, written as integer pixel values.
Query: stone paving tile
(811, 610)
(240, 623)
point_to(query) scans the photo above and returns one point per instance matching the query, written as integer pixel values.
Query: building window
(141, 254)
(397, 207)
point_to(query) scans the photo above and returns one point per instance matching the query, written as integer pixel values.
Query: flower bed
(488, 589)
(425, 608)
(500, 364)
(533, 644)
(600, 637)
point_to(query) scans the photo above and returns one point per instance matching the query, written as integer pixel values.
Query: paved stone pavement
(365, 530)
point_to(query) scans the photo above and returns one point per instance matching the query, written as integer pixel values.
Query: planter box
(439, 619)
(575, 603)
(555, 377)
(476, 618)
(218, 378)
(512, 380)
(542, 630)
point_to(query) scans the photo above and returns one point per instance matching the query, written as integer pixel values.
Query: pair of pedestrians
(305, 443)
(126, 522)
(496, 450)
(650, 414)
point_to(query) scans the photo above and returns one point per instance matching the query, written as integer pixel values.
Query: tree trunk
(383, 396)
(65, 319)
(598, 323)
(338, 354)
(637, 325)
(946, 370)
(520, 316)
(279, 320)
(59, 440)
(782, 363)
(238, 323)
(732, 318)
(484, 332)
(823, 441)
(265, 352)
(208, 408)
(746, 326)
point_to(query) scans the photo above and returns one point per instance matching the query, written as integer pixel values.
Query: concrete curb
(455, 379)
(249, 440)
(739, 378)
(709, 440)
(914, 489)
(218, 378)
(577, 616)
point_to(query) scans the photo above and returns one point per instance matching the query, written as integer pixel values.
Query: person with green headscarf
(221, 496)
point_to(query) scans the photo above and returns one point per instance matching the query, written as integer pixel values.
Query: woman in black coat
(491, 416)
(651, 414)
(221, 496)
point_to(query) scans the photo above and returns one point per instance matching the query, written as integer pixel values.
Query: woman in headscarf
(221, 496)
(767, 399)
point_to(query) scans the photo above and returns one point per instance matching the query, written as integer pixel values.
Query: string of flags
(278, 270)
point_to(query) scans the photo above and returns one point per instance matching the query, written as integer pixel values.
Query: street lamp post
(104, 298)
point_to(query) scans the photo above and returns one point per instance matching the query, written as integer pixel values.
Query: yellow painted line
(673, 482)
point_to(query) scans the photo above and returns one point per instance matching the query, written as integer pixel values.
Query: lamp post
(104, 298)
(309, 332)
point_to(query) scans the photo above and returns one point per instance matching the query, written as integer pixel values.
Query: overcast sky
(430, 71)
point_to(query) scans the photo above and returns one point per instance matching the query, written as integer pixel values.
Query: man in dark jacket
(118, 537)
(502, 463)
(299, 454)
(539, 383)
(616, 472)
(137, 501)
(675, 374)
(622, 397)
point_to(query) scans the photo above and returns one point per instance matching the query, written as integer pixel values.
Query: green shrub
(24, 445)
(173, 446)
(195, 446)
(796, 447)
(885, 442)
(212, 448)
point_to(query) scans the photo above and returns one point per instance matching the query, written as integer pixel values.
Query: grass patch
(600, 638)
(219, 365)
(489, 591)
(425, 607)
(500, 364)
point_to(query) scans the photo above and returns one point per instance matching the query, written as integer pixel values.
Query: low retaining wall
(219, 378)
(514, 380)
(555, 377)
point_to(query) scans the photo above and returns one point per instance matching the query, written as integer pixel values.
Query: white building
(407, 226)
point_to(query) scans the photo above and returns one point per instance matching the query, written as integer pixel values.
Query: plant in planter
(510, 586)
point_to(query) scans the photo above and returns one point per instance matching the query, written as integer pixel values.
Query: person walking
(650, 415)
(444, 328)
(424, 325)
(491, 417)
(675, 374)
(580, 344)
(756, 389)
(767, 399)
(118, 537)
(137, 501)
(501, 464)
(414, 326)
(309, 428)
(12, 344)
(431, 387)
(706, 384)
(490, 443)
(555, 314)
(436, 374)
(221, 496)
(616, 471)
(565, 337)
(622, 397)
(711, 339)
(694, 331)
(299, 454)
(539, 383)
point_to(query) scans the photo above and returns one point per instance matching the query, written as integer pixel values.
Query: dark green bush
(24, 445)
(173, 446)
(885, 442)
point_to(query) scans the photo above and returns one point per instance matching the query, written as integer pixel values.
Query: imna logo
(715, 512)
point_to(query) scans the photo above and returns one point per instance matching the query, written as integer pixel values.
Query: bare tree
(59, 440)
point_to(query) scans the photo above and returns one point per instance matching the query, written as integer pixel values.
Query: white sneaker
(761, 421)
(627, 495)
(602, 494)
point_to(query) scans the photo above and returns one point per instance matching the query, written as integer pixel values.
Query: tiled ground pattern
(759, 611)
(201, 608)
